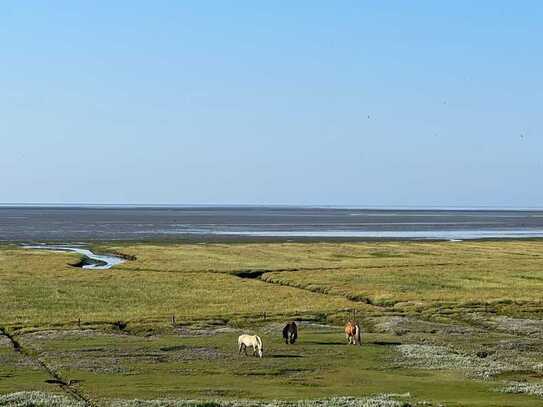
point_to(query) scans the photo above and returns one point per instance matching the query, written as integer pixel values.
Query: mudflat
(259, 223)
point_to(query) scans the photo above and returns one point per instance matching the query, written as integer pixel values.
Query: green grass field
(444, 323)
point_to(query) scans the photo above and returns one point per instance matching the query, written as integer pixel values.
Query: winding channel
(91, 260)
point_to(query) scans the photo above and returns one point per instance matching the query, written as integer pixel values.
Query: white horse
(250, 340)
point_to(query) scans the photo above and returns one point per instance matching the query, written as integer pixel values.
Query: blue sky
(306, 102)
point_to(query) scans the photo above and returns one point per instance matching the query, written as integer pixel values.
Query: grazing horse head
(259, 346)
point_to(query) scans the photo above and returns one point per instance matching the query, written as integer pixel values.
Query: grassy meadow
(445, 323)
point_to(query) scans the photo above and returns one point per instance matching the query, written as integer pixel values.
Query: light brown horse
(352, 332)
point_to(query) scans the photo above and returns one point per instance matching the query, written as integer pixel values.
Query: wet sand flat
(73, 224)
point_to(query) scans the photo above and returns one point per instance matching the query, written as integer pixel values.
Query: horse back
(290, 327)
(351, 328)
(246, 339)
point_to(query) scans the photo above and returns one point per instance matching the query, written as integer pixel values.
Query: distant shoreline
(235, 240)
(271, 206)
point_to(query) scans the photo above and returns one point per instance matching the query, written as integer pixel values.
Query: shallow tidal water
(97, 261)
(81, 224)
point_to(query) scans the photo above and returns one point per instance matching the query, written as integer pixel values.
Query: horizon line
(265, 205)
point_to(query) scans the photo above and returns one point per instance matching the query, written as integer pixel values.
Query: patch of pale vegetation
(441, 357)
(122, 362)
(37, 399)
(40, 399)
(49, 334)
(4, 341)
(381, 400)
(517, 326)
(403, 325)
(533, 389)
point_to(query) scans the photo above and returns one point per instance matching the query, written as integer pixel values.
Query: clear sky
(285, 102)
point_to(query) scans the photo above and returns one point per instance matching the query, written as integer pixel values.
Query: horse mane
(259, 341)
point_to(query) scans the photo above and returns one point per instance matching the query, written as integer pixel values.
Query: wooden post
(173, 320)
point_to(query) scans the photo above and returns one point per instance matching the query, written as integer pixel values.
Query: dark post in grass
(353, 314)
(174, 324)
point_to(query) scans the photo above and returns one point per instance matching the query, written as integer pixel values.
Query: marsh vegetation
(443, 323)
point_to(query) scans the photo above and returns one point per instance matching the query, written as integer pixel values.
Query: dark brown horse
(290, 332)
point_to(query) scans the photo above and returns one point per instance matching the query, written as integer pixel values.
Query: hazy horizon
(348, 103)
(267, 205)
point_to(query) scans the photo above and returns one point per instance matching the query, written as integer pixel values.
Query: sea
(85, 223)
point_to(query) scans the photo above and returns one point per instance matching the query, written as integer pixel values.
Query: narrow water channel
(91, 260)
